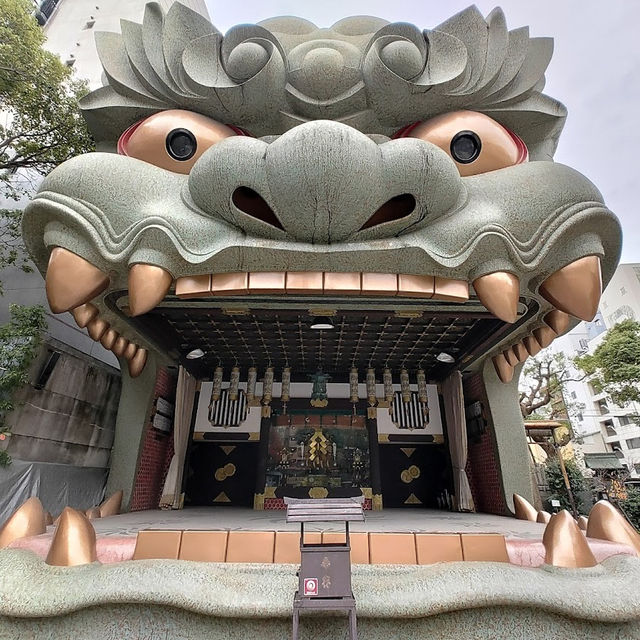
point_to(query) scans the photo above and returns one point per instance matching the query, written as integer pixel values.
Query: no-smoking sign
(310, 586)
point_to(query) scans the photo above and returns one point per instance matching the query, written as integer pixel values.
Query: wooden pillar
(374, 460)
(261, 471)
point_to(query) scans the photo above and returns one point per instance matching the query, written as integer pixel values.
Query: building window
(580, 417)
(622, 291)
(573, 395)
(633, 443)
(70, 62)
(636, 466)
(89, 24)
(623, 420)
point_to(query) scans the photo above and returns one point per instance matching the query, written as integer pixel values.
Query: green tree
(631, 506)
(40, 125)
(20, 339)
(557, 487)
(614, 366)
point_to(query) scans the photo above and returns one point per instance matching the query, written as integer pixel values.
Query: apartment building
(601, 424)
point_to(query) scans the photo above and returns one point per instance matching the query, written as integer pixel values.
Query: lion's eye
(173, 139)
(475, 142)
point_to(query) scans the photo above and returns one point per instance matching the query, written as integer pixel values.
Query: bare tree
(542, 383)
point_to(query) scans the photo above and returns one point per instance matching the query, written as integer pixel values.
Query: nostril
(394, 209)
(254, 205)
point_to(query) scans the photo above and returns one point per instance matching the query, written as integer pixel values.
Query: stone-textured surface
(234, 597)
(135, 403)
(373, 75)
(144, 622)
(511, 443)
(325, 103)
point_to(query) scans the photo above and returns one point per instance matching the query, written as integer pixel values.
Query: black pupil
(181, 144)
(465, 147)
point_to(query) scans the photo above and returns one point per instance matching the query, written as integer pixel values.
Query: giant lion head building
(349, 236)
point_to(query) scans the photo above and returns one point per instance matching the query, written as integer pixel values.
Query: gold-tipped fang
(576, 288)
(71, 280)
(523, 509)
(564, 543)
(74, 540)
(499, 292)
(27, 520)
(148, 285)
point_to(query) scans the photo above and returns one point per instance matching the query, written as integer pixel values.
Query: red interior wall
(156, 454)
(483, 468)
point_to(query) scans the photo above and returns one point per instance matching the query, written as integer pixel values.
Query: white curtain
(457, 436)
(172, 497)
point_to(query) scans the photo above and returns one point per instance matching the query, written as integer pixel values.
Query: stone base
(198, 600)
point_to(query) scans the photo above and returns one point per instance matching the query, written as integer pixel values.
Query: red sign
(310, 586)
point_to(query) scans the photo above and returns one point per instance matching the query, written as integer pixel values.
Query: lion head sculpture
(367, 159)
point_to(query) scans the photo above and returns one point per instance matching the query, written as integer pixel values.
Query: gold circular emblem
(414, 471)
(220, 475)
(405, 476)
(230, 469)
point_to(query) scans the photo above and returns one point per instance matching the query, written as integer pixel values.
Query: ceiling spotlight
(195, 354)
(445, 357)
(322, 322)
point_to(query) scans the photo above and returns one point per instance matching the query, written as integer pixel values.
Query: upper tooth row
(318, 282)
(575, 289)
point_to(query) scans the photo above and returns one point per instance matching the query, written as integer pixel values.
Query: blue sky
(595, 72)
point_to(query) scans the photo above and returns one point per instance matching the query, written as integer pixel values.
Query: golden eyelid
(499, 149)
(148, 141)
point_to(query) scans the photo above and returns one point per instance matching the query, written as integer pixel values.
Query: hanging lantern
(371, 387)
(387, 380)
(353, 385)
(285, 395)
(217, 384)
(422, 386)
(233, 383)
(405, 389)
(251, 384)
(267, 386)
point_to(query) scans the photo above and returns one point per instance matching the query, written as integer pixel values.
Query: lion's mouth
(413, 316)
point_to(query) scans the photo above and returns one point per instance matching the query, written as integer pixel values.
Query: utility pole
(563, 469)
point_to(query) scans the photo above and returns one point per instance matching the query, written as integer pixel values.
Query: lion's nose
(253, 204)
(324, 182)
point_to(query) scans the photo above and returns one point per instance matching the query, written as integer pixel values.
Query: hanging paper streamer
(371, 387)
(353, 385)
(251, 384)
(422, 386)
(217, 384)
(267, 386)
(285, 396)
(387, 380)
(233, 384)
(405, 388)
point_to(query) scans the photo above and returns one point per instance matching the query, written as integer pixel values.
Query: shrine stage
(389, 520)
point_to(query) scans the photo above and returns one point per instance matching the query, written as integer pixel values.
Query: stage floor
(390, 520)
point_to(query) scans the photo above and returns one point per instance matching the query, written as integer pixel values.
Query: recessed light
(195, 354)
(445, 357)
(322, 322)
